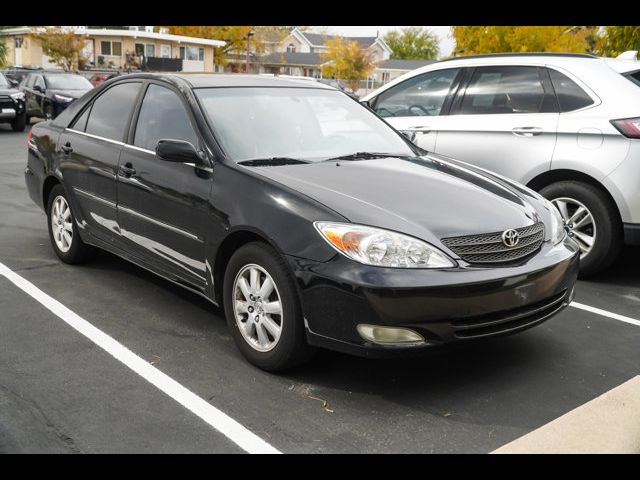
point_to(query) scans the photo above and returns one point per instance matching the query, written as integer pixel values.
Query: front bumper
(443, 306)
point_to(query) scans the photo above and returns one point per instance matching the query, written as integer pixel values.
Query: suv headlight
(381, 248)
(558, 232)
(62, 98)
(17, 96)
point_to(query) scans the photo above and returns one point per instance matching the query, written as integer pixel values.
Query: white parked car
(566, 125)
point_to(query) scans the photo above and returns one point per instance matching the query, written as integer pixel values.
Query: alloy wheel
(61, 224)
(257, 307)
(579, 222)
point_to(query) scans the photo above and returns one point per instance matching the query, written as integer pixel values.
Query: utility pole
(250, 34)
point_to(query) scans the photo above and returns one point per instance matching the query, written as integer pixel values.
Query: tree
(619, 39)
(498, 39)
(235, 37)
(63, 47)
(348, 61)
(3, 48)
(413, 43)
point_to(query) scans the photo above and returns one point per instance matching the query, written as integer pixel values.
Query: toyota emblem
(510, 238)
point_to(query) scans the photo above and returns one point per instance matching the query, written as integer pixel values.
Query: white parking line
(224, 424)
(606, 313)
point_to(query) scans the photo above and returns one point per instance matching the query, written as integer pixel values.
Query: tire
(19, 123)
(77, 251)
(606, 219)
(291, 348)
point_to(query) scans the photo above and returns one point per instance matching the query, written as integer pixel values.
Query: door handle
(127, 170)
(527, 131)
(420, 129)
(66, 148)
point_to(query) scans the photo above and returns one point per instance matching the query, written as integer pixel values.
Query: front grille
(6, 102)
(509, 321)
(489, 248)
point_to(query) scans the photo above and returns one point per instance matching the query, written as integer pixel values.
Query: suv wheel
(63, 231)
(19, 123)
(592, 220)
(262, 309)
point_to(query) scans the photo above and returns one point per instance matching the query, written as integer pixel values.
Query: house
(300, 53)
(137, 47)
(391, 69)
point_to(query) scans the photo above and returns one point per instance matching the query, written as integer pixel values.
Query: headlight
(382, 248)
(62, 98)
(558, 231)
(17, 96)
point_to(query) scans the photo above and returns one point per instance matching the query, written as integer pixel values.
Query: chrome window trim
(159, 223)
(140, 149)
(94, 197)
(96, 137)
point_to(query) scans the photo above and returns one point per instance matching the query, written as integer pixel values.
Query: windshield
(68, 82)
(3, 81)
(301, 123)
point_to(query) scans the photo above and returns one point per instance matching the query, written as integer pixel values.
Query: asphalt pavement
(61, 392)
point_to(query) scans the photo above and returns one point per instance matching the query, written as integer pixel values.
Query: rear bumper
(632, 234)
(444, 306)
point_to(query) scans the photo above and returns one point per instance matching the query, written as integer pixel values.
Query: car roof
(204, 80)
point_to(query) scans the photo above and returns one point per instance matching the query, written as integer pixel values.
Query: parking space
(61, 392)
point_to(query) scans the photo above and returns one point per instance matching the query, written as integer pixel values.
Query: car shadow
(625, 271)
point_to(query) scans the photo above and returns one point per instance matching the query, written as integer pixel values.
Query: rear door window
(110, 113)
(506, 90)
(570, 95)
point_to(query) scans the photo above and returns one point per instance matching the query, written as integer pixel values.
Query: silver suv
(566, 125)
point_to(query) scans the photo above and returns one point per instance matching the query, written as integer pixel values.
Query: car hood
(69, 93)
(8, 91)
(427, 197)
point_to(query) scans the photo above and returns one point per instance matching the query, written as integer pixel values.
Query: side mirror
(13, 83)
(366, 103)
(177, 151)
(38, 88)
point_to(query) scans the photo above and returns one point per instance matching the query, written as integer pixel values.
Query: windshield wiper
(365, 156)
(271, 162)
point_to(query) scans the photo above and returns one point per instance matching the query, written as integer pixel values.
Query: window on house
(291, 48)
(165, 51)
(150, 50)
(19, 42)
(111, 48)
(201, 54)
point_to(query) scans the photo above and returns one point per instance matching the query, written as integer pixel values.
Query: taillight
(629, 127)
(29, 136)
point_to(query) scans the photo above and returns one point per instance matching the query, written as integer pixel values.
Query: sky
(446, 42)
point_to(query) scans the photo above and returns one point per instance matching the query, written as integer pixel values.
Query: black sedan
(12, 109)
(302, 213)
(49, 93)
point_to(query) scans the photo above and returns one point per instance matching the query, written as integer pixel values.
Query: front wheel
(19, 123)
(263, 310)
(591, 219)
(63, 230)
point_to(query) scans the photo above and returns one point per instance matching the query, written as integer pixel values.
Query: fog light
(388, 335)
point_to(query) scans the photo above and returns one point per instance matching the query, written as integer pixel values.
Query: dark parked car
(100, 78)
(302, 213)
(17, 74)
(11, 105)
(47, 93)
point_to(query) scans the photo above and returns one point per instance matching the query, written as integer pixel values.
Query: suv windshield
(64, 81)
(301, 123)
(3, 81)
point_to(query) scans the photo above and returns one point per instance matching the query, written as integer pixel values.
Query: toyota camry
(301, 213)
